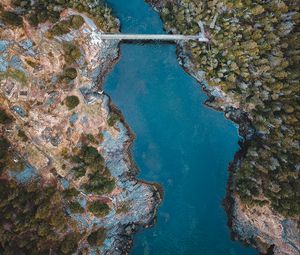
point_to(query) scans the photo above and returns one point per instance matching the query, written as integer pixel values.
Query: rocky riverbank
(261, 190)
(65, 158)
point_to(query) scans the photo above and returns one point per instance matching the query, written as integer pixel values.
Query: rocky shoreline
(246, 131)
(124, 242)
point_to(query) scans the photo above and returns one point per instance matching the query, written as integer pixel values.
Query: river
(180, 143)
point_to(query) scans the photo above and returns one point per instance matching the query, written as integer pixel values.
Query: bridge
(154, 37)
(159, 37)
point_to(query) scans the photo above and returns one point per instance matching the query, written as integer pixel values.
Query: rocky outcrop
(265, 229)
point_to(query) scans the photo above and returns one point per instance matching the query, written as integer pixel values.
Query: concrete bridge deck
(159, 37)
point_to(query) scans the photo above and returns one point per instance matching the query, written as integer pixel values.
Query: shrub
(98, 208)
(92, 158)
(97, 238)
(64, 26)
(3, 147)
(70, 193)
(33, 19)
(91, 138)
(4, 117)
(22, 135)
(99, 184)
(100, 180)
(69, 73)
(31, 63)
(76, 21)
(72, 102)
(12, 18)
(70, 243)
(75, 207)
(71, 52)
(79, 171)
(59, 29)
(114, 117)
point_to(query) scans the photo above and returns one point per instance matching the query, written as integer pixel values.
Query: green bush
(91, 138)
(114, 117)
(59, 29)
(63, 27)
(102, 186)
(71, 102)
(79, 171)
(100, 136)
(3, 147)
(100, 180)
(75, 207)
(76, 21)
(99, 184)
(71, 52)
(22, 135)
(11, 18)
(69, 73)
(70, 193)
(97, 238)
(70, 243)
(98, 208)
(92, 157)
(4, 117)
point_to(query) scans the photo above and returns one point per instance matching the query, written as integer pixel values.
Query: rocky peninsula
(250, 71)
(68, 183)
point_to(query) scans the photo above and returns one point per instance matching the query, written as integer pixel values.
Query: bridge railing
(160, 37)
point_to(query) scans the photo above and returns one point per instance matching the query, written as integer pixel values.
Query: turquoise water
(180, 143)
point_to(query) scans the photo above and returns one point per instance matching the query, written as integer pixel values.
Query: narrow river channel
(180, 143)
